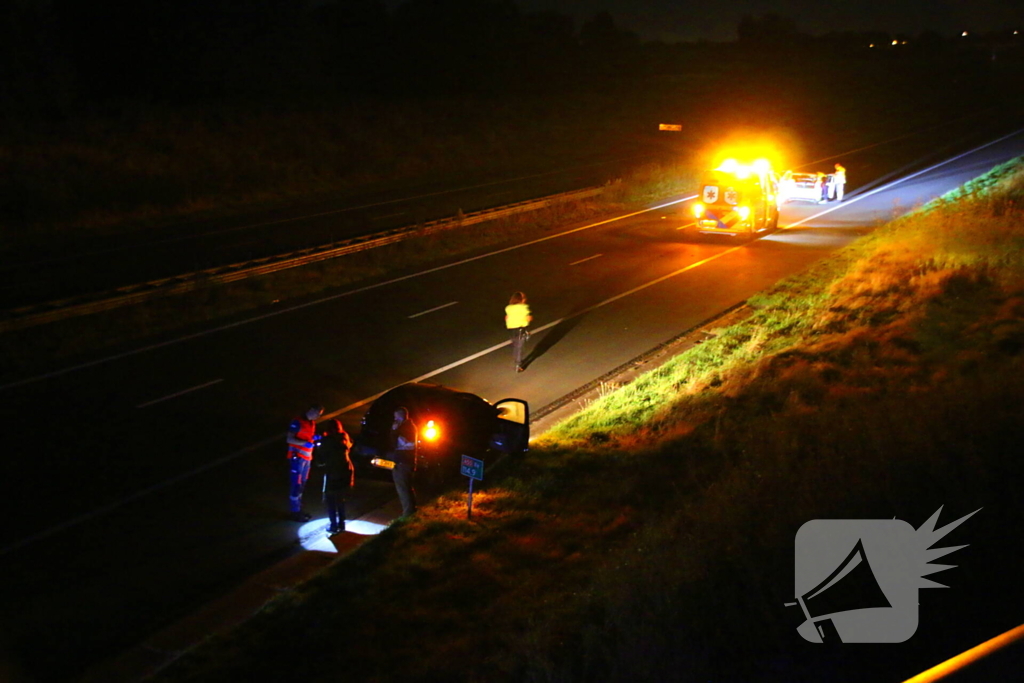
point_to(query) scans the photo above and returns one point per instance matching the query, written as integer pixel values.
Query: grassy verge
(137, 165)
(650, 537)
(35, 346)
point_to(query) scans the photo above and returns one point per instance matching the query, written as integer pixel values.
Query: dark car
(451, 423)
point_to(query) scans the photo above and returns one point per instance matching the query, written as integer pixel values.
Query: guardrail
(38, 314)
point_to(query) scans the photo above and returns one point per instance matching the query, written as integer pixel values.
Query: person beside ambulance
(839, 181)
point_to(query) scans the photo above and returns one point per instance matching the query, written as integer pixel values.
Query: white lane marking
(277, 438)
(290, 309)
(688, 225)
(589, 258)
(436, 308)
(854, 200)
(179, 393)
(389, 215)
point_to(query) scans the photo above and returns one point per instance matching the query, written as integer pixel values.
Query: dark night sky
(675, 20)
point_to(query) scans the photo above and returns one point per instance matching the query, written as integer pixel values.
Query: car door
(512, 426)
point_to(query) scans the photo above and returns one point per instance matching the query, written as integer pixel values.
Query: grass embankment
(650, 537)
(36, 346)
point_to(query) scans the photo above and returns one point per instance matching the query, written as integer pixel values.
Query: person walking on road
(839, 181)
(332, 456)
(517, 319)
(402, 451)
(302, 439)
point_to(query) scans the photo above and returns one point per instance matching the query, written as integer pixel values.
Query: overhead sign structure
(678, 127)
(474, 469)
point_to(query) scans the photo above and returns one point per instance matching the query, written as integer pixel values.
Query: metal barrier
(38, 314)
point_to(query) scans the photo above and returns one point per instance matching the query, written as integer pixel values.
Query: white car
(802, 187)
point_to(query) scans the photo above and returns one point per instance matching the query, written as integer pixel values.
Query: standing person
(332, 455)
(839, 181)
(517, 318)
(302, 439)
(402, 451)
(822, 184)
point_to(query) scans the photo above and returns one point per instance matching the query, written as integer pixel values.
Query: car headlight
(743, 212)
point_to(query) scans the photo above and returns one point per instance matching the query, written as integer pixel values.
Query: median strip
(38, 314)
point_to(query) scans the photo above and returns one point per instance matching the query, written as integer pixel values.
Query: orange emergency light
(431, 432)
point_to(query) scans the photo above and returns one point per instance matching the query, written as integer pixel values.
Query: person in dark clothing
(402, 451)
(332, 456)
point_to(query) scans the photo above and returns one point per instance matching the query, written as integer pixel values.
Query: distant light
(964, 34)
(895, 42)
(871, 45)
(1016, 33)
(903, 43)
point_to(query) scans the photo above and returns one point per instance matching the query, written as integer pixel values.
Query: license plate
(382, 463)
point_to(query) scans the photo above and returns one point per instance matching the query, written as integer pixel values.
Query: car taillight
(431, 432)
(698, 210)
(743, 212)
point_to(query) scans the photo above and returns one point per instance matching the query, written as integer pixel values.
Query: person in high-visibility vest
(302, 439)
(839, 181)
(517, 319)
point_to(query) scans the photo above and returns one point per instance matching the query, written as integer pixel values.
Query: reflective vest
(517, 315)
(302, 429)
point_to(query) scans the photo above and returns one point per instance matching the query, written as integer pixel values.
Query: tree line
(56, 53)
(174, 50)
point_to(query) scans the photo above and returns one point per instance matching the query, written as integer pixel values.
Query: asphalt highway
(148, 480)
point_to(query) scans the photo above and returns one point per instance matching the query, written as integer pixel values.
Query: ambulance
(738, 199)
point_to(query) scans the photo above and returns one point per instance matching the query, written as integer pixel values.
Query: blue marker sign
(473, 468)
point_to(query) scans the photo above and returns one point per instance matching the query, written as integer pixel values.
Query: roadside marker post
(474, 469)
